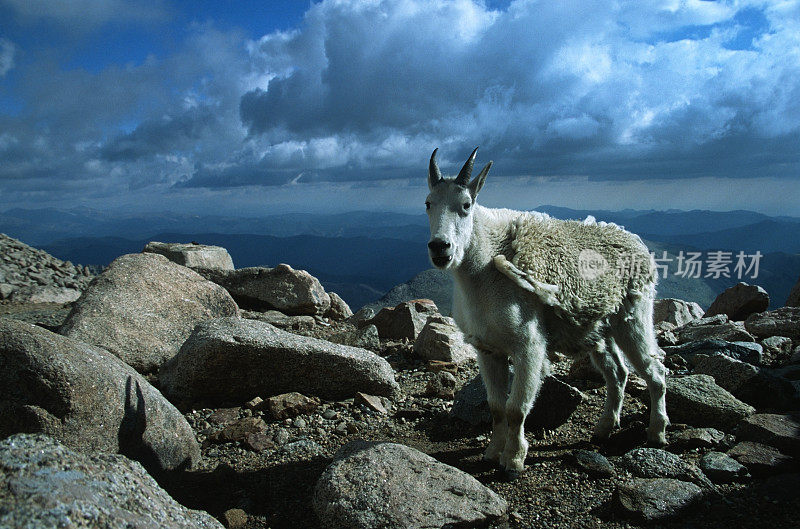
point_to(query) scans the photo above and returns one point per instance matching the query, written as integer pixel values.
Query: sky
(262, 107)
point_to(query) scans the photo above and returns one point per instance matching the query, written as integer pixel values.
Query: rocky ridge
(285, 454)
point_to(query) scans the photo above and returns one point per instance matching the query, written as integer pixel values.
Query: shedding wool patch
(585, 269)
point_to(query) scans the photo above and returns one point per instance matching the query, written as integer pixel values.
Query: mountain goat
(526, 284)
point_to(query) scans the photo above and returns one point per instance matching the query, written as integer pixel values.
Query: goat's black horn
(434, 174)
(466, 172)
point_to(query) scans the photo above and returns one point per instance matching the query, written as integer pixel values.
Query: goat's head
(450, 206)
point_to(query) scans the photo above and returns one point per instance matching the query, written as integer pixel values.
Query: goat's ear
(477, 182)
(434, 174)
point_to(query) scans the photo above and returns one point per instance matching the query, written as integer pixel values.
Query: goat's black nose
(438, 246)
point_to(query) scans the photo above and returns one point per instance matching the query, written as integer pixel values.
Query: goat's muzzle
(440, 251)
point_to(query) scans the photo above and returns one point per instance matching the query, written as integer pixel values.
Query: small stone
(259, 441)
(299, 422)
(234, 518)
(341, 428)
(290, 405)
(657, 463)
(649, 499)
(721, 468)
(224, 416)
(697, 438)
(370, 401)
(254, 404)
(594, 463)
(760, 459)
(329, 414)
(442, 386)
(281, 437)
(239, 430)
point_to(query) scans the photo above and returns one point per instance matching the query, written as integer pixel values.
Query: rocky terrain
(179, 391)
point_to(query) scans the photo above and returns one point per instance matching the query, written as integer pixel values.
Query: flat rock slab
(47, 485)
(657, 463)
(714, 327)
(784, 321)
(143, 307)
(556, 403)
(697, 438)
(594, 463)
(192, 255)
(389, 485)
(760, 459)
(652, 499)
(721, 468)
(749, 352)
(231, 360)
(699, 401)
(290, 291)
(88, 399)
(780, 431)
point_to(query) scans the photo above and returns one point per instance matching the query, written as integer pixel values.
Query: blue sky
(255, 107)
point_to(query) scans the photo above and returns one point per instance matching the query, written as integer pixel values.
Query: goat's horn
(466, 172)
(434, 174)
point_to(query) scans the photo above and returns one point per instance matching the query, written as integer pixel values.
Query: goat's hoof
(657, 442)
(510, 474)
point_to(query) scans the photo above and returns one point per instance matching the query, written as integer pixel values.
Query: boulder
(696, 438)
(7, 290)
(749, 352)
(714, 327)
(676, 311)
(556, 403)
(143, 307)
(88, 399)
(440, 339)
(290, 291)
(405, 321)
(365, 337)
(740, 301)
(777, 348)
(193, 255)
(699, 401)
(339, 309)
(780, 431)
(756, 386)
(45, 294)
(784, 321)
(794, 296)
(389, 485)
(46, 484)
(721, 468)
(233, 360)
(657, 463)
(760, 459)
(652, 499)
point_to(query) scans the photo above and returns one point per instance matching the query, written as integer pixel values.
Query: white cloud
(7, 50)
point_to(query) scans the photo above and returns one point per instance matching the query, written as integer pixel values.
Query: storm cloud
(362, 91)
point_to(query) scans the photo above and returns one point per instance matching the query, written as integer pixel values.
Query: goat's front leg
(529, 364)
(494, 371)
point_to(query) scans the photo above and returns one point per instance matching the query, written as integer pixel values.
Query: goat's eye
(427, 205)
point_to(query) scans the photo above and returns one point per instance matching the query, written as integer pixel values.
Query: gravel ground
(274, 486)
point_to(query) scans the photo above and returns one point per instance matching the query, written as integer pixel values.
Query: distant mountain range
(362, 255)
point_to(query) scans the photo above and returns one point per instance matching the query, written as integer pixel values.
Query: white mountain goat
(526, 284)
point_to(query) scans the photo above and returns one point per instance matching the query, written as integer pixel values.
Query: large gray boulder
(740, 301)
(784, 321)
(143, 307)
(780, 431)
(657, 463)
(290, 291)
(231, 360)
(699, 401)
(756, 386)
(389, 485)
(676, 311)
(46, 485)
(554, 405)
(88, 399)
(192, 255)
(713, 327)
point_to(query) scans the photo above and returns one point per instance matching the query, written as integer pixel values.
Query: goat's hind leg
(636, 337)
(495, 374)
(607, 358)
